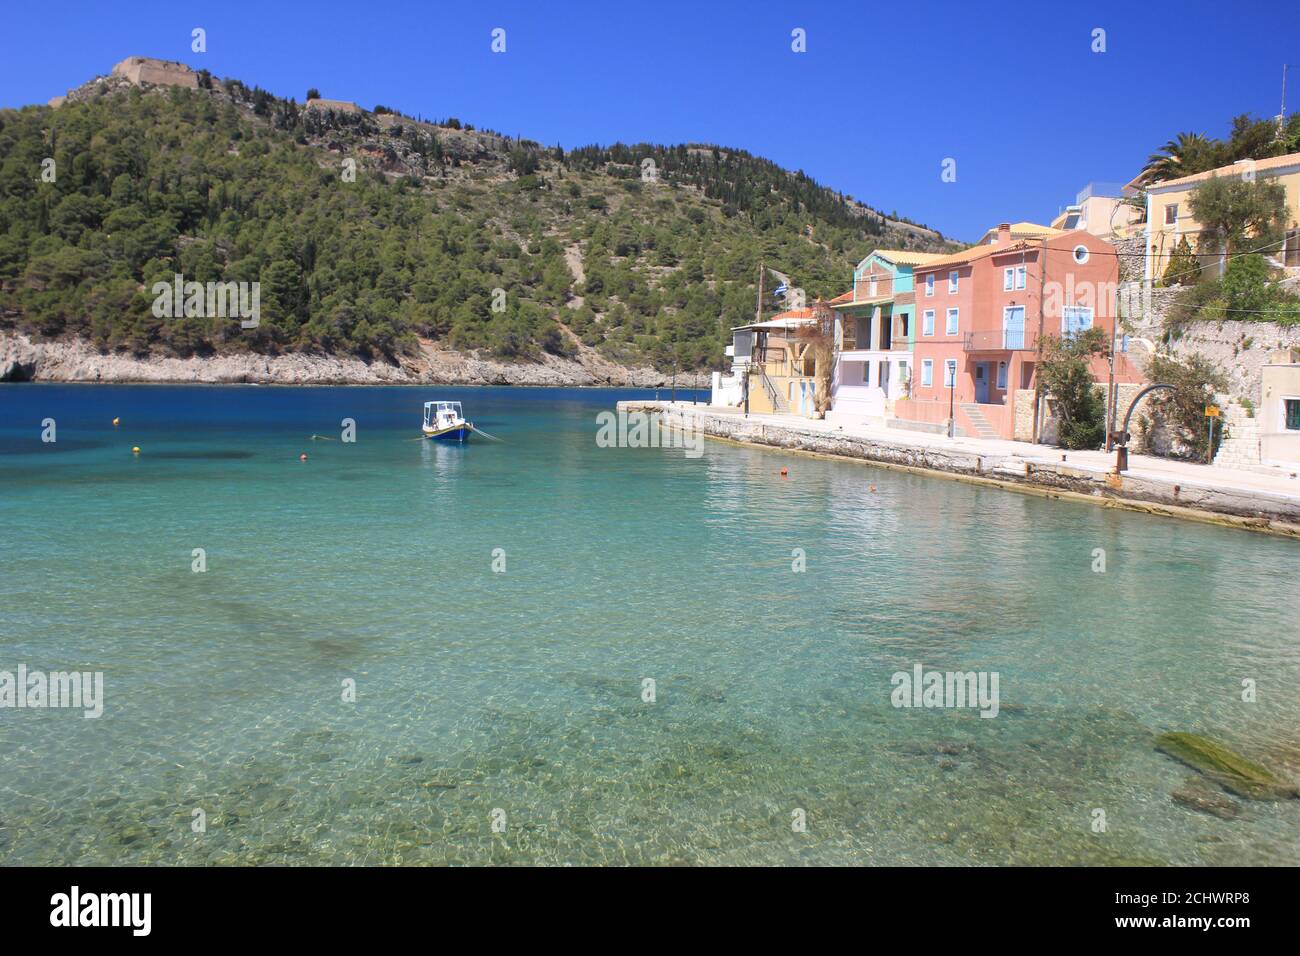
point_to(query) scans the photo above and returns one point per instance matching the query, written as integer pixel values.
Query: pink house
(979, 314)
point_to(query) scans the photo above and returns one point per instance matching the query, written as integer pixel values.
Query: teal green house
(875, 333)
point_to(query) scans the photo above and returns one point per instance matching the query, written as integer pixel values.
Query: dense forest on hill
(230, 183)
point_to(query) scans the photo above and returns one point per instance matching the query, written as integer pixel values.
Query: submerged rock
(1229, 770)
(1196, 794)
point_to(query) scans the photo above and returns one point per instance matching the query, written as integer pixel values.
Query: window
(902, 373)
(927, 322)
(951, 328)
(1081, 254)
(1074, 319)
(873, 286)
(952, 281)
(1008, 279)
(1171, 214)
(929, 283)
(950, 373)
(1292, 414)
(927, 372)
(1020, 277)
(903, 323)
(1002, 375)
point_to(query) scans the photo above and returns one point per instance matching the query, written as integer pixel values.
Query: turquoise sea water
(521, 691)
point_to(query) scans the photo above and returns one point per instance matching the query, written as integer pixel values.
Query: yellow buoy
(135, 449)
(117, 421)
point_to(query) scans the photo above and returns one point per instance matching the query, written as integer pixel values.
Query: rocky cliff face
(22, 360)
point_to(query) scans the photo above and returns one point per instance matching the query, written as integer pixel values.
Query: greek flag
(779, 290)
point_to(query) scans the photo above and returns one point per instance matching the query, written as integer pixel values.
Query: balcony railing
(1001, 340)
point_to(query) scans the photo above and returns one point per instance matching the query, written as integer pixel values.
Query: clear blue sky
(884, 93)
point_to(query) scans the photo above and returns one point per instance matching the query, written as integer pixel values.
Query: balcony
(765, 355)
(1001, 340)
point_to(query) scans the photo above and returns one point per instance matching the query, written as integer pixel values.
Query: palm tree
(1188, 153)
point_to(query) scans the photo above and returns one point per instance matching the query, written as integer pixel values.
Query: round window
(1081, 254)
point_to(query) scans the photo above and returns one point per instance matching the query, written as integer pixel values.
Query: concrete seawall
(1082, 476)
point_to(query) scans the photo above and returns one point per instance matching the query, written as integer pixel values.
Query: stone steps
(982, 427)
(1241, 449)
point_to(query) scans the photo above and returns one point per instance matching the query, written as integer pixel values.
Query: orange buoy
(784, 472)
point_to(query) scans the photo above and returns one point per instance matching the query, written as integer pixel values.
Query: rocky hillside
(390, 241)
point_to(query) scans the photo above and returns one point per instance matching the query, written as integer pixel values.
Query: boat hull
(457, 433)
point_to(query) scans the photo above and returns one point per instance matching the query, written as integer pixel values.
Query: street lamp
(950, 371)
(1122, 436)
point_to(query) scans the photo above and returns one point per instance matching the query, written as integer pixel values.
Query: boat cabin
(440, 415)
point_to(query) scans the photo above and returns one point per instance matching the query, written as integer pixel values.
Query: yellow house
(1020, 230)
(779, 362)
(1279, 413)
(1169, 210)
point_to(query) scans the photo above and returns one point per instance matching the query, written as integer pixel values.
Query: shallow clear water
(522, 691)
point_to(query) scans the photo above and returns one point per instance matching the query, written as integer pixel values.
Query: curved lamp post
(1121, 437)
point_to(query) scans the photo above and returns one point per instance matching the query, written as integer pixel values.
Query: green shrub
(1196, 381)
(1065, 373)
(1183, 267)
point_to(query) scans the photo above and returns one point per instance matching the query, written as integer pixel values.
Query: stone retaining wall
(1245, 508)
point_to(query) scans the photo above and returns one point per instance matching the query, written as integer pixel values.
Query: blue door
(1013, 327)
(982, 382)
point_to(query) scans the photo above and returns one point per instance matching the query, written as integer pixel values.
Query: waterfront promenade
(1261, 499)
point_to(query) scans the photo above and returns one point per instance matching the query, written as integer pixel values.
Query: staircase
(982, 427)
(779, 403)
(1241, 448)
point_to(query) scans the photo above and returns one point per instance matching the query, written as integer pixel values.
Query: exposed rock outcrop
(140, 70)
(340, 106)
(22, 359)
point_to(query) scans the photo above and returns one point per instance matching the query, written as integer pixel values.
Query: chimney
(1004, 234)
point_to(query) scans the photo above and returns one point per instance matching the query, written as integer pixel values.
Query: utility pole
(758, 317)
(1281, 119)
(1038, 346)
(1112, 391)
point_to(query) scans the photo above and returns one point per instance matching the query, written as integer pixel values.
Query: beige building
(1169, 210)
(775, 364)
(1018, 230)
(1279, 412)
(1099, 208)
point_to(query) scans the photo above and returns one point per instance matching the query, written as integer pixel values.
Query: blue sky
(883, 95)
